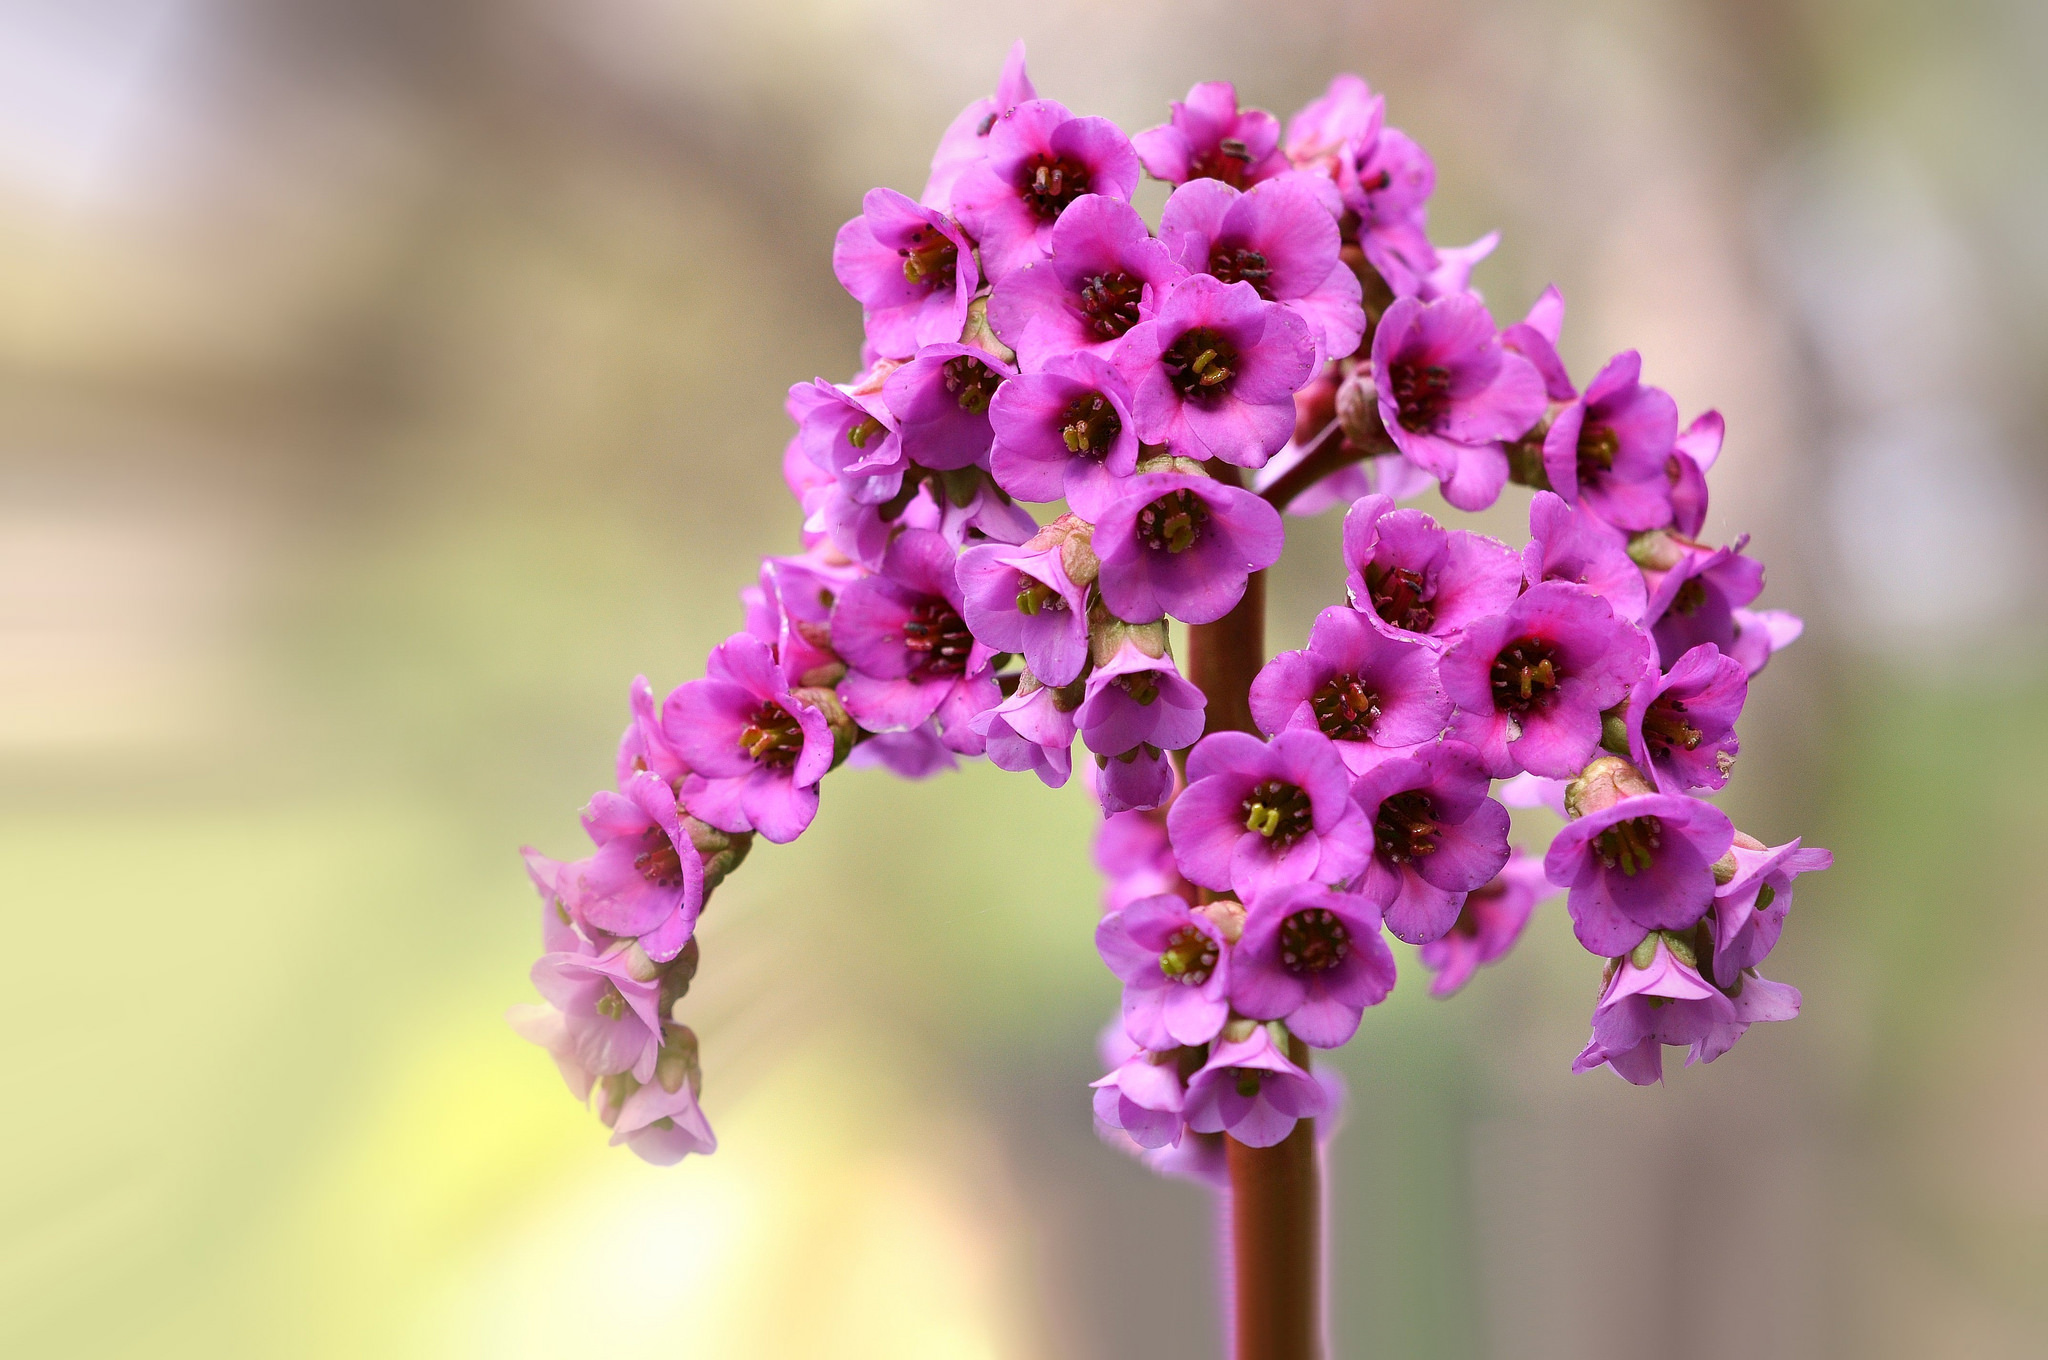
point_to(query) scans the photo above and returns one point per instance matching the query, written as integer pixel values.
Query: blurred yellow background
(383, 384)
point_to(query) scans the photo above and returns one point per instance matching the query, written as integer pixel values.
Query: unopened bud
(1164, 462)
(1614, 729)
(1655, 550)
(1107, 635)
(678, 1061)
(1239, 1029)
(642, 968)
(682, 969)
(721, 851)
(1724, 870)
(1602, 784)
(1358, 410)
(978, 333)
(1226, 915)
(870, 382)
(1077, 555)
(844, 730)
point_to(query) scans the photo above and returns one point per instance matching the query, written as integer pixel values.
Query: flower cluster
(1286, 338)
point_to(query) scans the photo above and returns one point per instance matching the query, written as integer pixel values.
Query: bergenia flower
(1137, 781)
(1488, 925)
(1106, 275)
(1371, 693)
(1566, 545)
(1681, 722)
(1693, 598)
(918, 753)
(1641, 864)
(1449, 394)
(799, 591)
(1182, 544)
(1654, 997)
(1331, 134)
(1694, 451)
(546, 1026)
(1020, 599)
(940, 400)
(1535, 336)
(1313, 958)
(646, 879)
(910, 653)
(1175, 962)
(1415, 579)
(1135, 698)
(1436, 836)
(1531, 682)
(1607, 450)
(757, 751)
(1760, 632)
(1142, 1096)
(643, 745)
(1750, 908)
(1757, 1000)
(611, 1019)
(965, 143)
(1260, 815)
(1214, 372)
(1277, 239)
(1065, 430)
(852, 437)
(1040, 159)
(911, 269)
(1030, 731)
(1136, 860)
(1209, 137)
(1251, 1091)
(1390, 194)
(660, 1119)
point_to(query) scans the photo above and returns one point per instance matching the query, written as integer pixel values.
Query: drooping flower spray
(1286, 340)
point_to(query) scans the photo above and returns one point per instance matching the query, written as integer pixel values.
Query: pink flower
(1654, 997)
(1750, 909)
(646, 879)
(611, 1020)
(965, 143)
(1681, 722)
(1370, 693)
(1142, 1096)
(1065, 431)
(1251, 1091)
(1174, 960)
(1105, 275)
(1436, 836)
(1208, 137)
(911, 269)
(1313, 958)
(1181, 544)
(1040, 159)
(1608, 449)
(910, 653)
(1134, 699)
(1569, 545)
(1259, 815)
(658, 1116)
(1030, 731)
(1413, 579)
(940, 400)
(1488, 924)
(1449, 394)
(1639, 865)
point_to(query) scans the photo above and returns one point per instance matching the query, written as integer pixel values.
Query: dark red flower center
(1110, 303)
(1422, 393)
(1406, 827)
(939, 635)
(1089, 425)
(1173, 523)
(1227, 161)
(1242, 266)
(1630, 845)
(931, 259)
(1200, 364)
(1047, 184)
(1189, 957)
(1401, 597)
(1665, 726)
(1313, 941)
(1279, 811)
(772, 736)
(658, 861)
(1597, 446)
(970, 382)
(1345, 709)
(1524, 676)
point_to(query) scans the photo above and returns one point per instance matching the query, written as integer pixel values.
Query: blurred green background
(383, 384)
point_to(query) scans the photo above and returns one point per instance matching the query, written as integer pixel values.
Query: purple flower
(1641, 864)
(1330, 135)
(1040, 159)
(1390, 193)
(1065, 431)
(1607, 450)
(1756, 999)
(797, 596)
(1020, 599)
(1415, 579)
(659, 1118)
(1313, 958)
(644, 746)
(1142, 1096)
(1136, 860)
(1488, 924)
(1653, 997)
(1449, 393)
(1531, 682)
(1567, 545)
(1259, 815)
(1681, 723)
(1760, 632)
(1209, 137)
(910, 654)
(646, 879)
(965, 143)
(1750, 908)
(1534, 337)
(1250, 1090)
(1436, 836)
(1697, 447)
(1030, 731)
(1182, 544)
(940, 400)
(1137, 781)
(1106, 275)
(1280, 240)
(756, 750)
(1695, 593)
(911, 269)
(1214, 372)
(918, 753)
(1175, 963)
(1135, 698)
(852, 437)
(1370, 693)
(611, 1020)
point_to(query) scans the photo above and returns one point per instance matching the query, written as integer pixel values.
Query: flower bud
(1614, 729)
(642, 968)
(978, 333)
(844, 730)
(1602, 784)
(1165, 462)
(721, 851)
(675, 983)
(678, 1061)
(1107, 635)
(1358, 410)
(1227, 915)
(1655, 550)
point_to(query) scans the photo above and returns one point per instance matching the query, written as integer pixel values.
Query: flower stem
(1275, 1199)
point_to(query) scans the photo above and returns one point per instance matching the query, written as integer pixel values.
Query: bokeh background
(383, 384)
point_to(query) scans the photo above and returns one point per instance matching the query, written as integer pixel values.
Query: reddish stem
(1276, 1203)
